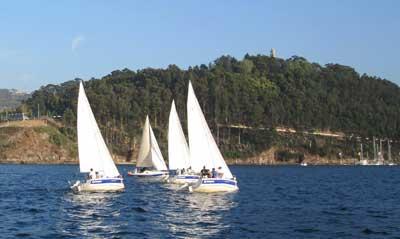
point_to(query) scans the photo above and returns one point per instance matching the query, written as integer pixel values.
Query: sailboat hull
(151, 175)
(185, 179)
(100, 185)
(213, 185)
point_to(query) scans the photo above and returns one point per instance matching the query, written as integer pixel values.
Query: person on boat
(92, 174)
(205, 172)
(220, 174)
(182, 171)
(189, 170)
(142, 170)
(214, 173)
(97, 175)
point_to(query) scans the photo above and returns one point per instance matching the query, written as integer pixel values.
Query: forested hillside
(243, 101)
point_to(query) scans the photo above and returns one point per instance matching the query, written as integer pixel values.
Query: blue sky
(44, 42)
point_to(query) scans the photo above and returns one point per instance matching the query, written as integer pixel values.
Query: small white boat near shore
(150, 163)
(93, 153)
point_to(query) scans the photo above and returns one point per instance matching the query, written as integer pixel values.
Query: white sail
(149, 153)
(157, 158)
(93, 152)
(203, 148)
(178, 150)
(144, 158)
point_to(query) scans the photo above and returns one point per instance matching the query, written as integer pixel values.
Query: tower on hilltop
(273, 53)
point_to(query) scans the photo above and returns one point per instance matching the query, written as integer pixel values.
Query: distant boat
(204, 151)
(366, 162)
(178, 151)
(93, 152)
(303, 164)
(150, 162)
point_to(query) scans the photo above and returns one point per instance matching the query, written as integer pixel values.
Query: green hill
(258, 93)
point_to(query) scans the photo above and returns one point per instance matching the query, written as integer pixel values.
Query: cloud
(77, 42)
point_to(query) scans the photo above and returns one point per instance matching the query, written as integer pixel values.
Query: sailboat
(150, 162)
(204, 151)
(93, 153)
(178, 151)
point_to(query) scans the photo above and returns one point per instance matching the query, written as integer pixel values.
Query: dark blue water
(273, 202)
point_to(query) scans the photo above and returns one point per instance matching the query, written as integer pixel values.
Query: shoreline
(234, 164)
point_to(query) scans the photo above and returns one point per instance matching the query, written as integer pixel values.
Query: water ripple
(273, 202)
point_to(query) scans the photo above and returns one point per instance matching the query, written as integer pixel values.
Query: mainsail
(93, 152)
(149, 153)
(203, 148)
(178, 150)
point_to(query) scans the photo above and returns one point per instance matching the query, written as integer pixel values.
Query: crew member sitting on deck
(189, 170)
(220, 174)
(214, 173)
(97, 175)
(183, 171)
(205, 172)
(142, 170)
(92, 175)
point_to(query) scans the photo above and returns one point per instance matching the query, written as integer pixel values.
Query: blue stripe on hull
(188, 177)
(109, 180)
(150, 175)
(218, 181)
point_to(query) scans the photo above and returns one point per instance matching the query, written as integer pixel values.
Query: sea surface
(273, 202)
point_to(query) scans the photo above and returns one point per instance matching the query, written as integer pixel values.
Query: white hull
(370, 163)
(150, 175)
(184, 179)
(213, 185)
(99, 185)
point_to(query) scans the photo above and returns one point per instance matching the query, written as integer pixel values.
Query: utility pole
(389, 152)
(38, 111)
(380, 150)
(362, 153)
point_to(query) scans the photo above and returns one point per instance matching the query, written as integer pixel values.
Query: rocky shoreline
(41, 142)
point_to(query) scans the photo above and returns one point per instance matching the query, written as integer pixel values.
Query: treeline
(258, 91)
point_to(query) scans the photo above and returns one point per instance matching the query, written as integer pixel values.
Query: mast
(361, 153)
(374, 147)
